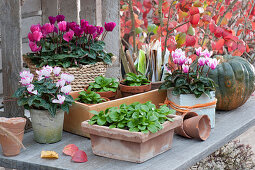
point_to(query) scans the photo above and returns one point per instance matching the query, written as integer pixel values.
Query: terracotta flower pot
(156, 85)
(108, 94)
(179, 130)
(16, 127)
(198, 127)
(130, 146)
(131, 90)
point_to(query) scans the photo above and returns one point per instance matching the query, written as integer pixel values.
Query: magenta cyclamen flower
(62, 26)
(52, 19)
(185, 68)
(47, 28)
(84, 24)
(35, 36)
(34, 28)
(60, 18)
(33, 46)
(55, 29)
(72, 25)
(78, 31)
(100, 30)
(109, 26)
(91, 29)
(68, 35)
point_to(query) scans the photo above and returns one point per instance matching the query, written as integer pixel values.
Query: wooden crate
(80, 112)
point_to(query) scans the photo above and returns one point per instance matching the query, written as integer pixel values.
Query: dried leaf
(80, 156)
(49, 154)
(70, 149)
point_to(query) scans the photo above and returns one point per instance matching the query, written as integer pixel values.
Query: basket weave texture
(82, 75)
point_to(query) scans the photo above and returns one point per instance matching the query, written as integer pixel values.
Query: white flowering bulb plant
(188, 76)
(44, 92)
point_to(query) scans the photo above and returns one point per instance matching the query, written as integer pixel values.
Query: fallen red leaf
(70, 149)
(80, 156)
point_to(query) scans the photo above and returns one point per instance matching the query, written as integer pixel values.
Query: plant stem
(130, 3)
(228, 9)
(247, 19)
(160, 15)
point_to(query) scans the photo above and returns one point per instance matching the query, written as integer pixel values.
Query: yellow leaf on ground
(49, 154)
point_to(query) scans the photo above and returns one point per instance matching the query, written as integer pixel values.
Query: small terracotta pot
(131, 90)
(97, 103)
(179, 130)
(156, 85)
(16, 127)
(108, 94)
(198, 127)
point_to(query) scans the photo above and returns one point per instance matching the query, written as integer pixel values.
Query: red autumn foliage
(80, 157)
(70, 149)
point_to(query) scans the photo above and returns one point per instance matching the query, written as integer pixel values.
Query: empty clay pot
(179, 130)
(131, 90)
(16, 127)
(198, 127)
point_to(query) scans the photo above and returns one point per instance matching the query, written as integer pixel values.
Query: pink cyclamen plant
(43, 92)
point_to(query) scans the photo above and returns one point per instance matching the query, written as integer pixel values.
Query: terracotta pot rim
(121, 84)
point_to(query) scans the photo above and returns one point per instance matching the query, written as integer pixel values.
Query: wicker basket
(82, 75)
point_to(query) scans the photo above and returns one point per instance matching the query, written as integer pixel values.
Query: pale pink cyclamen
(56, 70)
(66, 89)
(67, 77)
(181, 60)
(33, 46)
(198, 51)
(206, 53)
(60, 83)
(30, 89)
(60, 100)
(188, 61)
(202, 61)
(68, 35)
(26, 78)
(185, 68)
(212, 63)
(62, 26)
(45, 72)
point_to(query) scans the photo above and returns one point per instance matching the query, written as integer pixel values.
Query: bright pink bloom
(56, 70)
(72, 25)
(212, 63)
(100, 30)
(201, 61)
(33, 46)
(68, 35)
(35, 36)
(84, 24)
(30, 36)
(60, 100)
(34, 28)
(185, 68)
(62, 26)
(52, 19)
(198, 51)
(47, 28)
(109, 26)
(78, 31)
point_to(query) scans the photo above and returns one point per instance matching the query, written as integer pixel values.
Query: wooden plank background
(37, 11)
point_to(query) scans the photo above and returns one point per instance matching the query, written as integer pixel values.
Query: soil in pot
(131, 90)
(198, 127)
(180, 130)
(16, 126)
(47, 129)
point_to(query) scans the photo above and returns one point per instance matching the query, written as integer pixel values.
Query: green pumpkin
(235, 80)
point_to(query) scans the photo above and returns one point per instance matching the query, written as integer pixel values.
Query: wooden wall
(37, 11)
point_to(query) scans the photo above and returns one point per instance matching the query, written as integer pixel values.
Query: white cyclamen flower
(66, 89)
(67, 77)
(60, 99)
(60, 83)
(30, 89)
(56, 70)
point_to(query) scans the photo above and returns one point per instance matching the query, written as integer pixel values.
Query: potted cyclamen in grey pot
(47, 99)
(190, 86)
